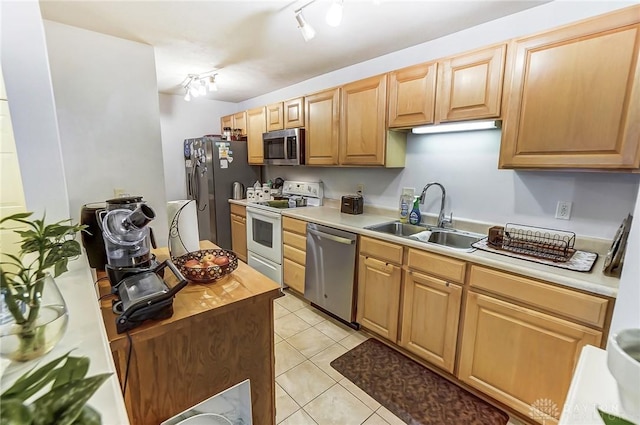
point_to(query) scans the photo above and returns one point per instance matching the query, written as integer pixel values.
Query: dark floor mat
(412, 392)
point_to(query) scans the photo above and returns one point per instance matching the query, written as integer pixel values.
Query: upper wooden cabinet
(275, 116)
(256, 125)
(226, 121)
(294, 113)
(235, 121)
(470, 85)
(574, 96)
(322, 129)
(412, 95)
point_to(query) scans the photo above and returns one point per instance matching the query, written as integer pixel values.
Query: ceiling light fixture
(196, 85)
(305, 28)
(334, 14)
(460, 126)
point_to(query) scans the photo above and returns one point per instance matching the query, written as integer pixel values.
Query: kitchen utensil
(238, 190)
(92, 238)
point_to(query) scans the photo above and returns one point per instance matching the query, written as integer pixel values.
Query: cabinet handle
(447, 283)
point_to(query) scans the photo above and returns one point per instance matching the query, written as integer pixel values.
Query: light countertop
(594, 281)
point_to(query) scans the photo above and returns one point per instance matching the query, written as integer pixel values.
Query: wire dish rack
(540, 242)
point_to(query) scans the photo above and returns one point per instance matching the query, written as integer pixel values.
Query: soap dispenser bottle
(414, 215)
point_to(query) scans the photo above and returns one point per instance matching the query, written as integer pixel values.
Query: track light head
(305, 28)
(334, 14)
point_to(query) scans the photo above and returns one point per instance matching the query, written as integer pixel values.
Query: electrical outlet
(360, 189)
(563, 210)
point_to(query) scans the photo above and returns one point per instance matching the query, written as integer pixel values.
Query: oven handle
(332, 237)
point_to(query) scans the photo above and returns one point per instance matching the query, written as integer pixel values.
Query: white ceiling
(256, 45)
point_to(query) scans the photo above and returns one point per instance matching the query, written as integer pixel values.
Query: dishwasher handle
(332, 237)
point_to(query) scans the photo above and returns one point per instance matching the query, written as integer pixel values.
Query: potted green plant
(33, 315)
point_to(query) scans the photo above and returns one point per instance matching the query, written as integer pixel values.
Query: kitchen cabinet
(431, 308)
(470, 85)
(235, 121)
(322, 129)
(239, 231)
(522, 338)
(275, 116)
(412, 95)
(294, 248)
(364, 139)
(574, 96)
(379, 280)
(256, 125)
(226, 121)
(294, 113)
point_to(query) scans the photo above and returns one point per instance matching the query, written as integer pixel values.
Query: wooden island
(220, 334)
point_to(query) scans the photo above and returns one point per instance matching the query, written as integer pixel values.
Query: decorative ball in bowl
(206, 265)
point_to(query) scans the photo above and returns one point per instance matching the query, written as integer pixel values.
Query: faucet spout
(441, 218)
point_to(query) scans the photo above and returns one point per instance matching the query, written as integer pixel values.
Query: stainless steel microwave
(284, 147)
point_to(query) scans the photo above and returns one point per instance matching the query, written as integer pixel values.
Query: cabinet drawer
(238, 210)
(295, 240)
(294, 225)
(294, 254)
(438, 265)
(564, 302)
(381, 250)
(293, 275)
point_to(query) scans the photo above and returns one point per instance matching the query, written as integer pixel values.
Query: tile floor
(308, 390)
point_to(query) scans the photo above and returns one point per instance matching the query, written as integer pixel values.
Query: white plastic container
(406, 203)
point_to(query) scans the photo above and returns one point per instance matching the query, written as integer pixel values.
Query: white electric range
(264, 225)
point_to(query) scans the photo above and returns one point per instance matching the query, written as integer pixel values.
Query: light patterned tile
(353, 340)
(375, 419)
(305, 382)
(324, 358)
(388, 416)
(337, 406)
(289, 325)
(369, 401)
(310, 342)
(287, 357)
(279, 310)
(291, 302)
(311, 315)
(276, 338)
(299, 418)
(285, 405)
(334, 330)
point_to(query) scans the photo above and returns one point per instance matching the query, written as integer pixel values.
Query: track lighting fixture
(305, 28)
(334, 14)
(196, 85)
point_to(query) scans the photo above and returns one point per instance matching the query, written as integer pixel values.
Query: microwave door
(274, 148)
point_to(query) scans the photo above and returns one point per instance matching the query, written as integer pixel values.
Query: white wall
(107, 103)
(26, 73)
(181, 120)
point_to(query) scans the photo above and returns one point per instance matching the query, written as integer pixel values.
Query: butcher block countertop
(219, 335)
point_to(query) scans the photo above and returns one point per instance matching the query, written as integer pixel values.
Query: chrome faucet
(442, 221)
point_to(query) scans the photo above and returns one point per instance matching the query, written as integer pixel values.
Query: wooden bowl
(210, 273)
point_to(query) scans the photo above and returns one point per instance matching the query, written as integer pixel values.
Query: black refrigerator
(212, 165)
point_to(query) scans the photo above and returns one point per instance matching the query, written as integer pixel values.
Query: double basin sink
(449, 238)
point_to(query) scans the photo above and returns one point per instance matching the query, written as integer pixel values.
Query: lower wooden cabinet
(294, 247)
(521, 357)
(430, 316)
(239, 231)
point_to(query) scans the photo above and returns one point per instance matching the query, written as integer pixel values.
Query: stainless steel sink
(398, 229)
(454, 239)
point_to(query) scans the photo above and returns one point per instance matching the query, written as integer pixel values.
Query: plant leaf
(88, 416)
(610, 419)
(63, 405)
(75, 368)
(13, 412)
(32, 381)
(16, 216)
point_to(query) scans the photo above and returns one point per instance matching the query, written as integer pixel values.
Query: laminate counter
(220, 334)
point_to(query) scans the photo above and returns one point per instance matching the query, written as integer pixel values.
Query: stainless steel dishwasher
(330, 271)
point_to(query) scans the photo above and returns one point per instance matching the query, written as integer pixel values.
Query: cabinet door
(239, 236)
(519, 356)
(322, 128)
(363, 122)
(240, 122)
(293, 275)
(275, 117)
(412, 95)
(470, 85)
(226, 122)
(379, 296)
(294, 113)
(574, 97)
(430, 313)
(256, 125)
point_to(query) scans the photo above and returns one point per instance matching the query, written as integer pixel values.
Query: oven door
(264, 233)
